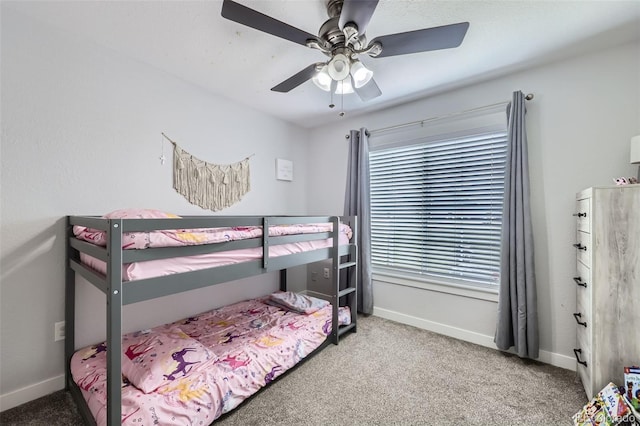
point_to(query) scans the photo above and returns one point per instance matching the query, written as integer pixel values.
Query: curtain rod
(528, 97)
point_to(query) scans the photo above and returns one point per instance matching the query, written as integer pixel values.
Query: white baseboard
(552, 358)
(31, 392)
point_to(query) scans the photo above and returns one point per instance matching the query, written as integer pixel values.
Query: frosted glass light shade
(361, 74)
(322, 79)
(635, 150)
(344, 87)
(339, 67)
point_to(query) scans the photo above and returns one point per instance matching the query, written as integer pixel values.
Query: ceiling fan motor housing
(333, 37)
(330, 33)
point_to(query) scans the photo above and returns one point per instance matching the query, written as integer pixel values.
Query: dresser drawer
(583, 356)
(583, 248)
(583, 337)
(582, 280)
(582, 314)
(583, 215)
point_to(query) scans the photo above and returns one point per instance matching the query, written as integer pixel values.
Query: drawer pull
(578, 281)
(580, 247)
(577, 316)
(580, 214)
(576, 352)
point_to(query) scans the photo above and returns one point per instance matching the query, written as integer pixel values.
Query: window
(436, 205)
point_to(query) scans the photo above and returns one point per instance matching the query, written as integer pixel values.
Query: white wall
(81, 135)
(579, 125)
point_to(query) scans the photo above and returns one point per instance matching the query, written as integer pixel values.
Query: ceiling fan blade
(435, 38)
(368, 91)
(297, 79)
(359, 12)
(254, 19)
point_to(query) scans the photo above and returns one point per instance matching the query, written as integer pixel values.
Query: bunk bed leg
(69, 308)
(114, 323)
(283, 280)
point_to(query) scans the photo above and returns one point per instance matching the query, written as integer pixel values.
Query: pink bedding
(216, 360)
(160, 267)
(185, 237)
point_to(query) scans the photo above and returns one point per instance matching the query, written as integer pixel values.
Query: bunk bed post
(265, 242)
(69, 306)
(114, 322)
(283, 280)
(335, 278)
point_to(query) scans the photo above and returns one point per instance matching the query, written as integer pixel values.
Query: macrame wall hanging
(207, 185)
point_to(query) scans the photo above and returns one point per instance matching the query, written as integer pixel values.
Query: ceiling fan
(342, 38)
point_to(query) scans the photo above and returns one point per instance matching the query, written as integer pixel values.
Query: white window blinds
(436, 206)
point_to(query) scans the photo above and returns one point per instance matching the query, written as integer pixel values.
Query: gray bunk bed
(119, 293)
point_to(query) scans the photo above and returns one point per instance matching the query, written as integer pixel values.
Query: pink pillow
(154, 358)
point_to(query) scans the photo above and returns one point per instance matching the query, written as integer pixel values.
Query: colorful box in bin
(606, 408)
(632, 385)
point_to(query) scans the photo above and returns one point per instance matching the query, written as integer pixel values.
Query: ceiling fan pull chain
(341, 114)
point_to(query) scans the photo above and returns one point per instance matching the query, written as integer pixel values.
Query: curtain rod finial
(529, 96)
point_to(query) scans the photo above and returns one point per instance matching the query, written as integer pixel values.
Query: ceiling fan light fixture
(344, 87)
(339, 67)
(361, 74)
(322, 79)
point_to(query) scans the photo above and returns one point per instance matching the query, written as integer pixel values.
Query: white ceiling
(192, 41)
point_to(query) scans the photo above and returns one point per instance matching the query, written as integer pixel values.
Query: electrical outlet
(58, 331)
(326, 272)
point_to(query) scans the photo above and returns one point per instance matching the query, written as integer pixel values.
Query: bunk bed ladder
(349, 272)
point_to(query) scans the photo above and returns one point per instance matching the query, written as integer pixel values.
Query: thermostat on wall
(284, 169)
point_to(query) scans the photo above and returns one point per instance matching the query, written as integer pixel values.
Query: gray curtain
(357, 202)
(517, 324)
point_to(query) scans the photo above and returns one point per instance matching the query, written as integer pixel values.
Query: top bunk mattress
(188, 237)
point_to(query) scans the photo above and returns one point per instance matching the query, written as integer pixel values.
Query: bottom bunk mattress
(192, 371)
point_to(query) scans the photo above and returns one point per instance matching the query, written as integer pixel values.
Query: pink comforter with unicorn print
(187, 237)
(194, 370)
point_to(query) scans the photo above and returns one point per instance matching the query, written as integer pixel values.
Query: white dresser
(607, 283)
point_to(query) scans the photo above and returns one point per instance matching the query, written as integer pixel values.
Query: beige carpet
(392, 374)
(389, 373)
